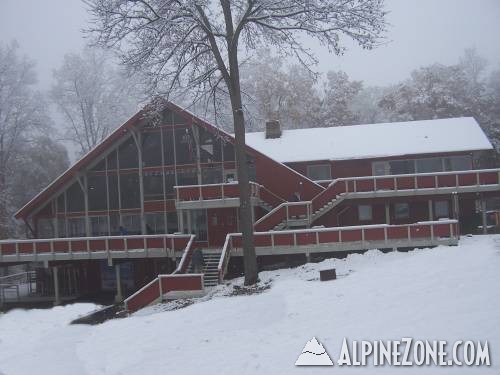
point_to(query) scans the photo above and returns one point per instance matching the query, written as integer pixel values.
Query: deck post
(431, 216)
(483, 216)
(387, 214)
(55, 275)
(119, 295)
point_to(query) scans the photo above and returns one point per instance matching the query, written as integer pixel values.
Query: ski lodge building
(127, 216)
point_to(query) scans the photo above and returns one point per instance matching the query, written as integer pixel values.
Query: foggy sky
(422, 32)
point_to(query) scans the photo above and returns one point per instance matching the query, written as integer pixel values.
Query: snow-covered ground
(446, 293)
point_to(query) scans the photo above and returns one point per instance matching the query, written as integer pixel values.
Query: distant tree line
(300, 99)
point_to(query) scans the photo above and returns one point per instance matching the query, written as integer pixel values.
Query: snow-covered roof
(373, 141)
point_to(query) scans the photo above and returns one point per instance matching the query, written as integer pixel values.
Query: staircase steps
(210, 269)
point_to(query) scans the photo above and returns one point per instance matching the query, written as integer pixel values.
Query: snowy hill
(446, 293)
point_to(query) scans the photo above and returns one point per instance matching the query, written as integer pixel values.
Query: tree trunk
(245, 212)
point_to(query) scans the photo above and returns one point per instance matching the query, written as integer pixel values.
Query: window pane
(99, 225)
(76, 227)
(113, 191)
(228, 151)
(441, 209)
(112, 161)
(458, 163)
(380, 168)
(187, 177)
(429, 165)
(97, 195)
(75, 199)
(402, 210)
(211, 175)
(114, 224)
(185, 146)
(151, 149)
(172, 222)
(319, 172)
(155, 223)
(131, 224)
(100, 166)
(45, 228)
(364, 212)
(61, 203)
(402, 166)
(168, 146)
(153, 186)
(199, 224)
(169, 182)
(61, 227)
(128, 154)
(129, 190)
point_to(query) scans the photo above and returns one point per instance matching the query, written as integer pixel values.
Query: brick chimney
(273, 129)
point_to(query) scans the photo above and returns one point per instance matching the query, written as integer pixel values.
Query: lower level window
(401, 210)
(441, 209)
(365, 212)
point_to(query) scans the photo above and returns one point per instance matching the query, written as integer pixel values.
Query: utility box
(325, 275)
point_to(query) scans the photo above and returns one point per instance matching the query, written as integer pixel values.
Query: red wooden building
(152, 191)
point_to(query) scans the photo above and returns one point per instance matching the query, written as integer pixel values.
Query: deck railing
(415, 181)
(92, 245)
(381, 235)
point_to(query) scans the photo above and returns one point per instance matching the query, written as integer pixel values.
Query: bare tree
(92, 96)
(23, 116)
(195, 45)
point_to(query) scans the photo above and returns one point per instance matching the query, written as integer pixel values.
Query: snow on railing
(186, 257)
(413, 181)
(212, 191)
(106, 244)
(386, 234)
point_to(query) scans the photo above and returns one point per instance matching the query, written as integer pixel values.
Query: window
(319, 172)
(169, 182)
(458, 163)
(151, 149)
(364, 212)
(61, 203)
(128, 154)
(172, 222)
(132, 224)
(113, 191)
(153, 186)
(74, 198)
(401, 210)
(199, 224)
(45, 228)
(129, 190)
(380, 168)
(76, 226)
(99, 225)
(185, 146)
(429, 165)
(441, 209)
(211, 175)
(96, 186)
(61, 227)
(168, 146)
(187, 177)
(155, 223)
(402, 166)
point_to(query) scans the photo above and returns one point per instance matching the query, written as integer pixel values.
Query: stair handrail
(276, 197)
(224, 257)
(186, 257)
(286, 205)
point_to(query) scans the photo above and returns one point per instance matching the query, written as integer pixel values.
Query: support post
(55, 275)
(431, 216)
(387, 214)
(483, 216)
(119, 295)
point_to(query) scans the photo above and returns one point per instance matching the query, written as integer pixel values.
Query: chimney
(273, 129)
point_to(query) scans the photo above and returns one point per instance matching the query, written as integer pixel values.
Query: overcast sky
(422, 32)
